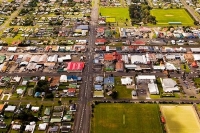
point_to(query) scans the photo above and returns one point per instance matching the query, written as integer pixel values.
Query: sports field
(119, 13)
(172, 15)
(180, 119)
(126, 118)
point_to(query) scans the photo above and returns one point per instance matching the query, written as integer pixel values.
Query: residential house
(109, 82)
(100, 41)
(126, 81)
(99, 79)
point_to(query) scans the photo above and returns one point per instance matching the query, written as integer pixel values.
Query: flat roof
(146, 77)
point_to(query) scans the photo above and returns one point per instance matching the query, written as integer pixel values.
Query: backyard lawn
(119, 13)
(126, 118)
(172, 15)
(122, 91)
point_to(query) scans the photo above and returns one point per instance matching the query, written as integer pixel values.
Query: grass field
(180, 119)
(172, 15)
(126, 118)
(119, 13)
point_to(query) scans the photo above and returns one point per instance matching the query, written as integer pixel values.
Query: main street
(82, 122)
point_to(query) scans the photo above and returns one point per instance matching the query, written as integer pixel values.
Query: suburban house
(109, 82)
(126, 80)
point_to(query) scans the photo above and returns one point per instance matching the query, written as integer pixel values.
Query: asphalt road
(82, 121)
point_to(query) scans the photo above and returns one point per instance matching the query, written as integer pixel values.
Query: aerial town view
(99, 66)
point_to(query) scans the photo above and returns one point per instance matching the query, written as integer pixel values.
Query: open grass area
(120, 14)
(172, 15)
(123, 92)
(180, 119)
(126, 118)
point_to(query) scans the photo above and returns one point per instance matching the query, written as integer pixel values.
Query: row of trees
(141, 13)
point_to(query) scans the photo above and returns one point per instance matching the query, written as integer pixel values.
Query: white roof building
(126, 80)
(10, 108)
(12, 49)
(143, 77)
(20, 91)
(196, 57)
(169, 85)
(30, 128)
(195, 49)
(153, 88)
(64, 58)
(138, 59)
(16, 127)
(16, 79)
(158, 67)
(53, 58)
(42, 126)
(35, 109)
(63, 78)
(170, 66)
(125, 59)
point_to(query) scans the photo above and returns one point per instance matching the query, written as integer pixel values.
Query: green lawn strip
(154, 96)
(15, 96)
(138, 118)
(172, 15)
(160, 88)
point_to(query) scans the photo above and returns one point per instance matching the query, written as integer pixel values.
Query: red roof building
(100, 41)
(75, 66)
(194, 64)
(112, 56)
(138, 42)
(100, 30)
